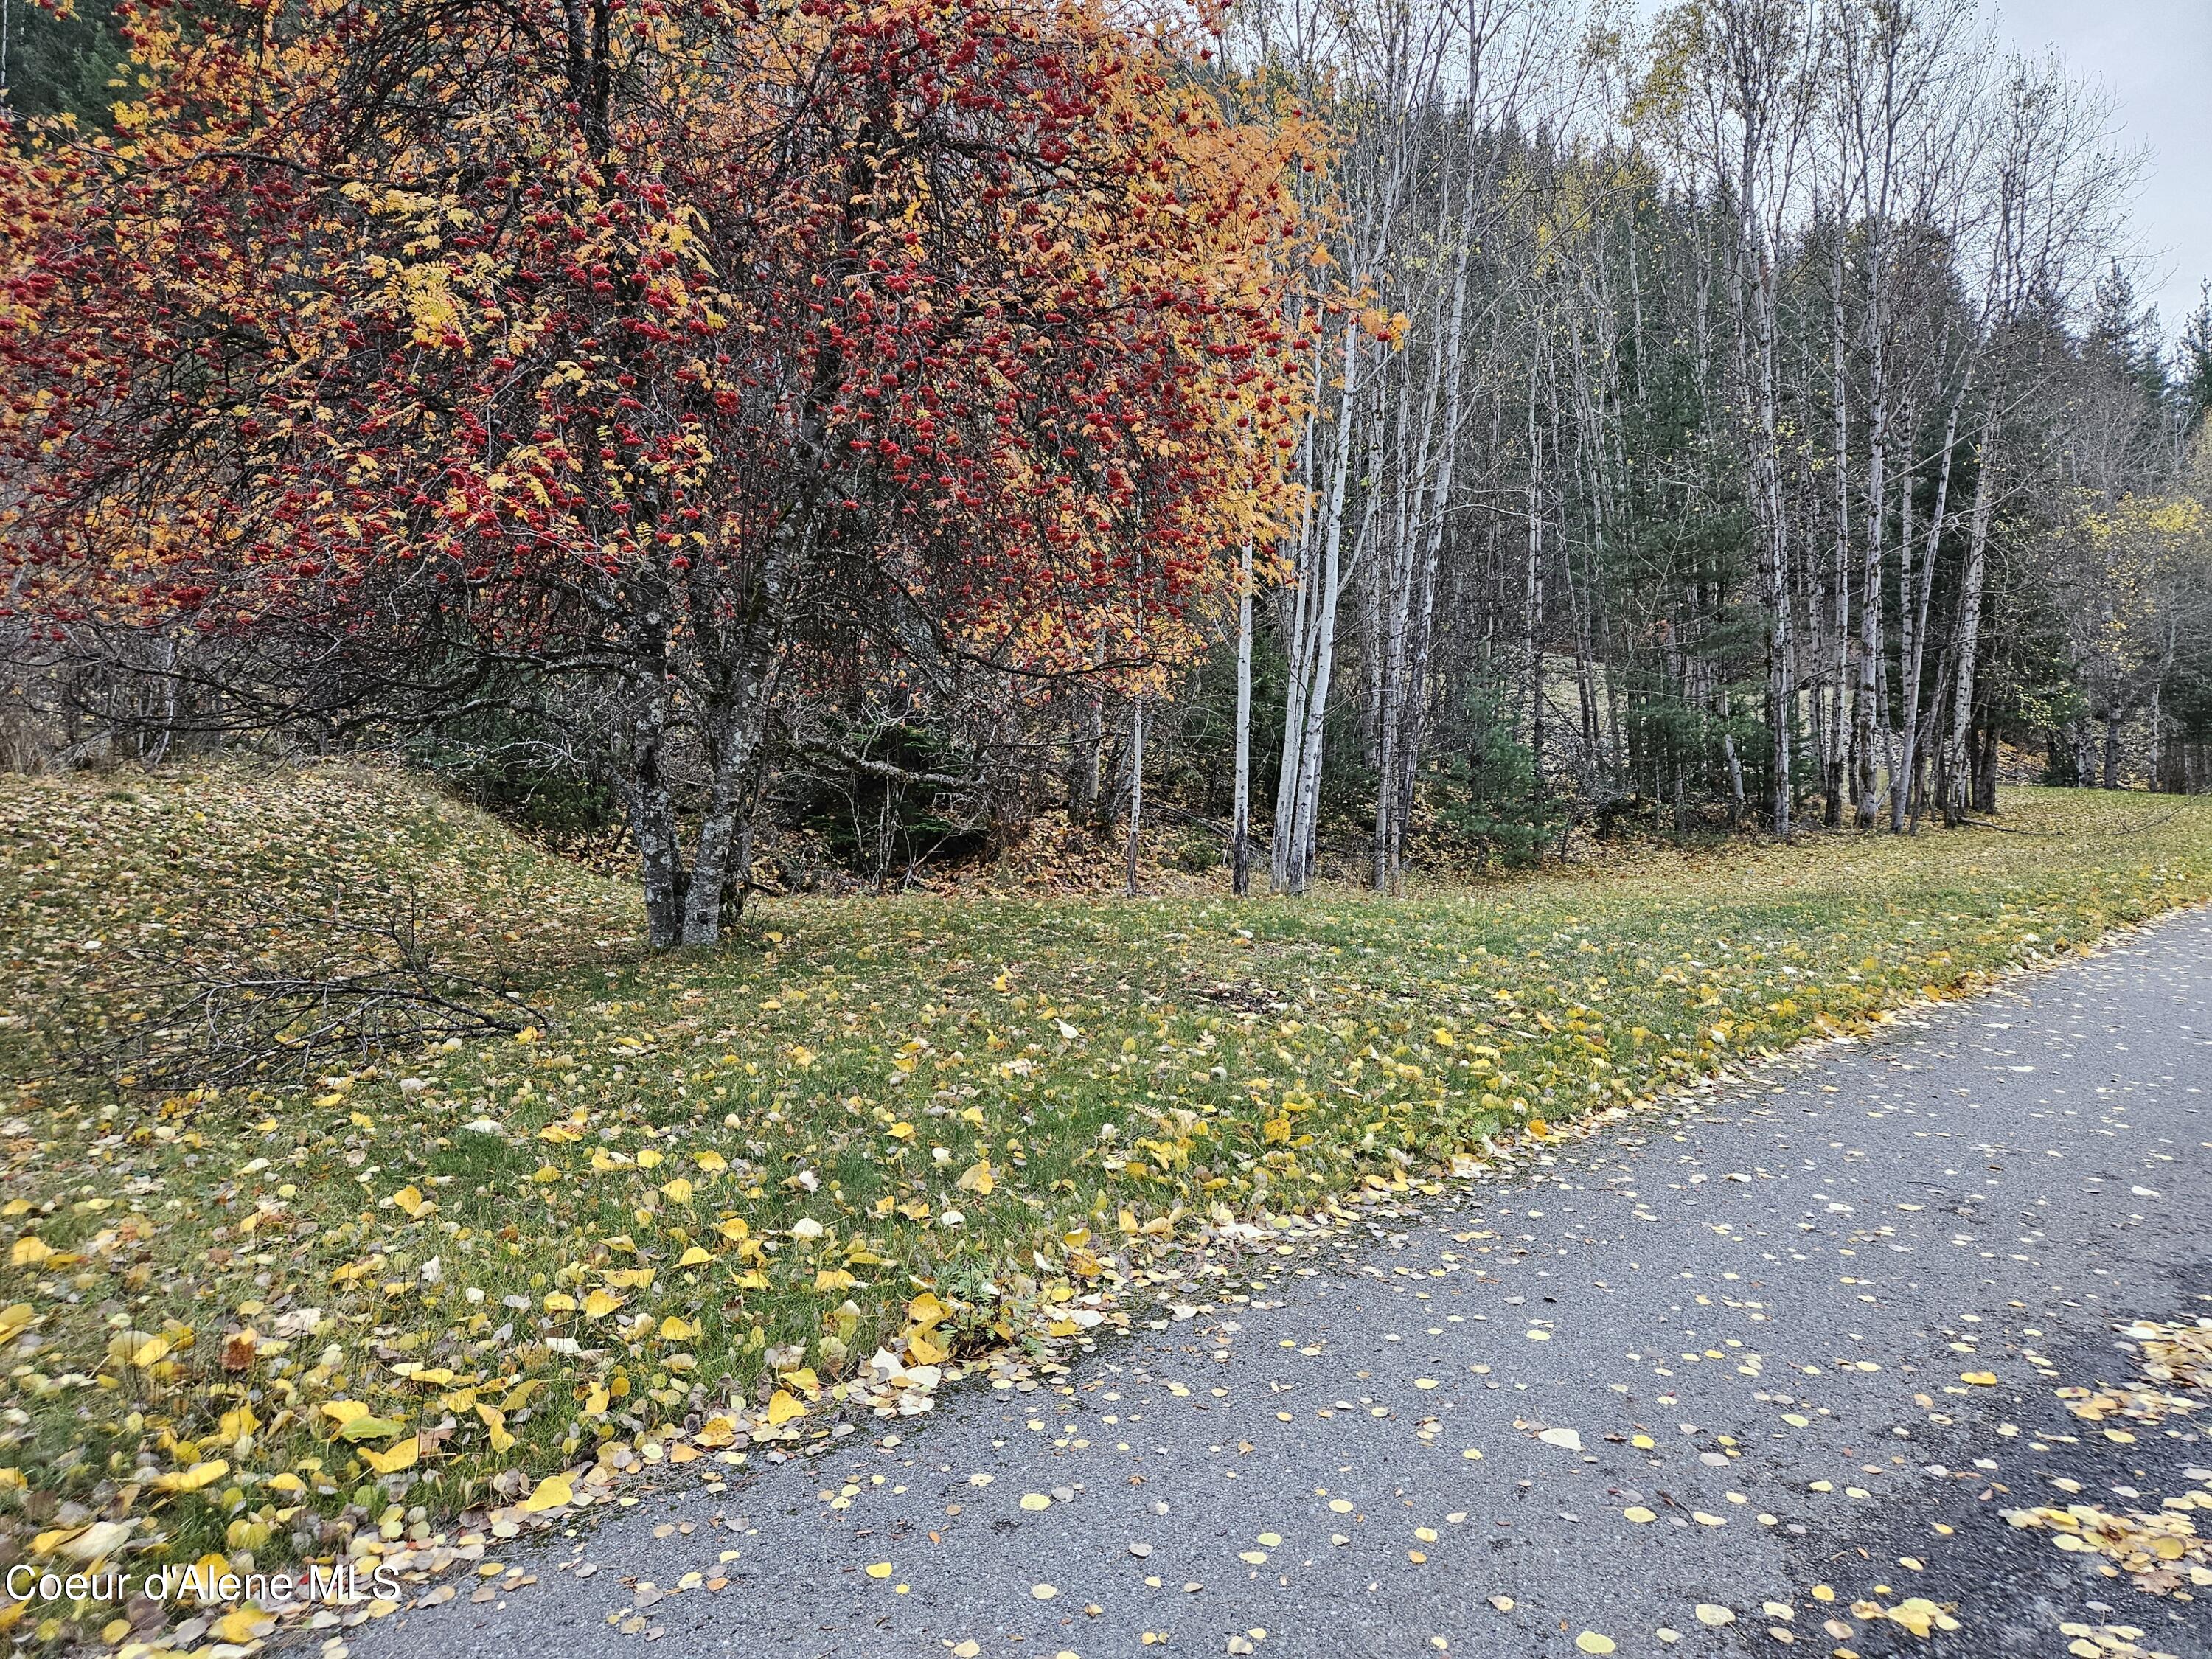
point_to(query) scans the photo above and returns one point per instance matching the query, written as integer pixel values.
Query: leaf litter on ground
(720, 1206)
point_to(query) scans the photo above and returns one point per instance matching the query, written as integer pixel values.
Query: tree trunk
(710, 861)
(1969, 619)
(1088, 736)
(734, 726)
(1915, 605)
(1306, 704)
(1834, 782)
(1136, 787)
(1866, 705)
(1240, 819)
(1533, 605)
(652, 819)
(1985, 772)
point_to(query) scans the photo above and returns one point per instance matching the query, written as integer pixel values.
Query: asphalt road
(1751, 1320)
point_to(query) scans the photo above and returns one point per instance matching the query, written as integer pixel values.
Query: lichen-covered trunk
(725, 682)
(741, 667)
(720, 832)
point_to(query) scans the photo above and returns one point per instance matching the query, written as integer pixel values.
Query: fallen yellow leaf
(781, 1408)
(551, 1494)
(400, 1456)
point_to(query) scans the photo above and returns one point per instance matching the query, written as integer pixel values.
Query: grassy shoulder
(719, 1196)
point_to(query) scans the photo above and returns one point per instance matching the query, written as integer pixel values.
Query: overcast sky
(2155, 57)
(2155, 60)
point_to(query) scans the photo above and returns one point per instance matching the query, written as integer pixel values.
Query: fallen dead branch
(366, 987)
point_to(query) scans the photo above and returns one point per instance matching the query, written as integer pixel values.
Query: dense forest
(1743, 416)
(1766, 417)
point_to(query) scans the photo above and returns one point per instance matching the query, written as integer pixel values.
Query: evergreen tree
(2192, 368)
(58, 65)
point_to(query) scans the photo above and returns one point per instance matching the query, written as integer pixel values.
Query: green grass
(756, 1153)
